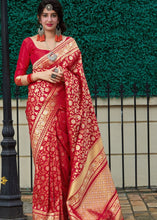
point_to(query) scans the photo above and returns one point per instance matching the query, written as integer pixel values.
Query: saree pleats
(72, 177)
(46, 114)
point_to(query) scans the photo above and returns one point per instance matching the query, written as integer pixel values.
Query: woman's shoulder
(29, 40)
(28, 43)
(71, 40)
(33, 38)
(26, 40)
(68, 38)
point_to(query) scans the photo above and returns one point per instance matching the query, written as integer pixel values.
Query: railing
(121, 93)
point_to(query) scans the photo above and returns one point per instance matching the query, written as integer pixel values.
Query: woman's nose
(49, 18)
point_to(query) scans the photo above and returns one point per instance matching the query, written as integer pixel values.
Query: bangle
(29, 78)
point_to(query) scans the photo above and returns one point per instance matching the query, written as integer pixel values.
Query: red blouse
(28, 52)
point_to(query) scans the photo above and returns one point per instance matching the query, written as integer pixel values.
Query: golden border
(93, 153)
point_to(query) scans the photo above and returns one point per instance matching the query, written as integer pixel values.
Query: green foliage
(117, 38)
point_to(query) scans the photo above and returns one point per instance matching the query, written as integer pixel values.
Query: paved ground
(138, 204)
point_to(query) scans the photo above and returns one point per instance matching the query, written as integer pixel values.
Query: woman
(72, 178)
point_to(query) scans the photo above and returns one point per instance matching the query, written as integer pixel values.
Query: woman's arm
(20, 77)
(24, 80)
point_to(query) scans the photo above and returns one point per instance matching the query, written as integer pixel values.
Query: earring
(41, 35)
(58, 36)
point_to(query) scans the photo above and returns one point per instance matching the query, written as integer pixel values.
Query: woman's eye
(54, 15)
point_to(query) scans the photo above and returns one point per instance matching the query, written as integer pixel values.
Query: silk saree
(72, 178)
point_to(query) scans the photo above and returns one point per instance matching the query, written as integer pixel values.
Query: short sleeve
(23, 59)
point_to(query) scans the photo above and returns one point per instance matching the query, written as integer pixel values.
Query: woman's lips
(49, 25)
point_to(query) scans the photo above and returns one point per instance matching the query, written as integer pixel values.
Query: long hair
(57, 7)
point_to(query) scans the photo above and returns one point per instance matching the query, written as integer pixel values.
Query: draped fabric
(72, 177)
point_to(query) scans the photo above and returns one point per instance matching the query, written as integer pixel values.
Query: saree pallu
(72, 177)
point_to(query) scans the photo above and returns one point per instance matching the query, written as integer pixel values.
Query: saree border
(63, 49)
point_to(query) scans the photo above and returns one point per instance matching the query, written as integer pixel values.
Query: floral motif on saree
(72, 177)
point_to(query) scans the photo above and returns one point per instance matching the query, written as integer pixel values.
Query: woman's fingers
(56, 74)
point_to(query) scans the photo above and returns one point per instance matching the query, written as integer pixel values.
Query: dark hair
(57, 8)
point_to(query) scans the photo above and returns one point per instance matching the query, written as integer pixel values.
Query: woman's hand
(56, 74)
(53, 75)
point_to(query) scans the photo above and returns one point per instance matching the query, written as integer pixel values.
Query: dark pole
(11, 206)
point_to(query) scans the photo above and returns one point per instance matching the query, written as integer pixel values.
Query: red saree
(72, 178)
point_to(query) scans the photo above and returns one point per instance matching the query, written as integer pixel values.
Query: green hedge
(118, 40)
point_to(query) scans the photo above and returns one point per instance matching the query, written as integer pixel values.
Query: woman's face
(49, 20)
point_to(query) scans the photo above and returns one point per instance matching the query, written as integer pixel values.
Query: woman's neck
(50, 35)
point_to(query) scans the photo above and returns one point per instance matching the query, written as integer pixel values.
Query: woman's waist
(45, 89)
(45, 86)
